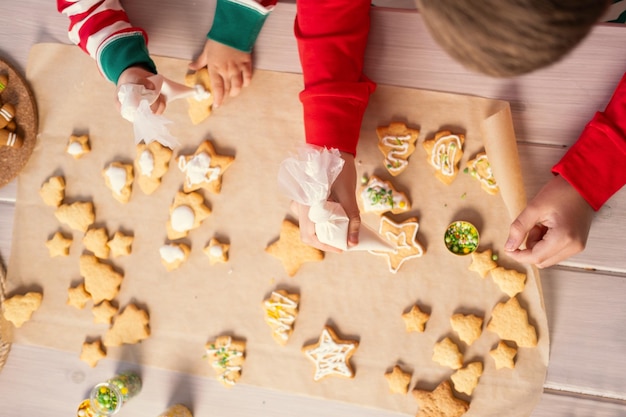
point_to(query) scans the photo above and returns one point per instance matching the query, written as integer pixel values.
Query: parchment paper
(354, 292)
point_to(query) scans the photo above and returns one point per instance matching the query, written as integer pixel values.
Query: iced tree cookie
(378, 196)
(480, 169)
(118, 177)
(187, 212)
(281, 310)
(397, 143)
(444, 154)
(226, 357)
(151, 164)
(199, 110)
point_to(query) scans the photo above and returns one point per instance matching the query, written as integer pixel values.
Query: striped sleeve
(101, 28)
(237, 23)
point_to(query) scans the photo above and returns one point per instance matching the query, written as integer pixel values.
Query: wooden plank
(7, 211)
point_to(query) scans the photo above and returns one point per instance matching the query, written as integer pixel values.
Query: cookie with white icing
(378, 196)
(187, 212)
(397, 143)
(118, 177)
(480, 169)
(173, 255)
(151, 163)
(445, 151)
(204, 169)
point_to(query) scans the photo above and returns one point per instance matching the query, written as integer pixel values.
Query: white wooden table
(583, 296)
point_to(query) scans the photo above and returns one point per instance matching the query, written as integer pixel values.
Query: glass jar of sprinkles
(461, 238)
(107, 398)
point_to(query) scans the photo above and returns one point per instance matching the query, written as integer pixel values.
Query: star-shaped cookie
(440, 402)
(77, 146)
(504, 355)
(104, 312)
(398, 380)
(120, 244)
(482, 262)
(77, 296)
(59, 245)
(216, 251)
(204, 169)
(403, 237)
(290, 249)
(92, 353)
(331, 355)
(415, 319)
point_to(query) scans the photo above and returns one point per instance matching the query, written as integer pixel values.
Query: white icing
(117, 178)
(444, 154)
(488, 179)
(171, 253)
(407, 247)
(182, 218)
(198, 169)
(278, 311)
(216, 251)
(75, 148)
(378, 187)
(146, 163)
(395, 159)
(223, 355)
(330, 357)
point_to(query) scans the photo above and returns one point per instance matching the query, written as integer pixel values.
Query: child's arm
(332, 36)
(101, 28)
(558, 219)
(227, 52)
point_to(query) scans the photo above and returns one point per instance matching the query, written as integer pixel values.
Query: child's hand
(343, 192)
(555, 225)
(230, 69)
(139, 75)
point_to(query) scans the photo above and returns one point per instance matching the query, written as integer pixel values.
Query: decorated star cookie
(78, 216)
(77, 296)
(331, 355)
(398, 380)
(415, 320)
(59, 245)
(103, 313)
(173, 255)
(444, 153)
(199, 109)
(281, 310)
(52, 191)
(151, 164)
(118, 177)
(120, 244)
(480, 169)
(95, 241)
(19, 308)
(226, 357)
(510, 321)
(403, 237)
(397, 143)
(378, 196)
(290, 249)
(204, 169)
(187, 212)
(510, 281)
(482, 262)
(446, 353)
(92, 352)
(216, 251)
(504, 355)
(129, 327)
(466, 378)
(101, 280)
(77, 146)
(440, 402)
(468, 327)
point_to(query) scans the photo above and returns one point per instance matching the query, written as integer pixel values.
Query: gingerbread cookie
(482, 262)
(118, 177)
(120, 244)
(503, 355)
(129, 327)
(217, 251)
(92, 352)
(510, 281)
(226, 356)
(466, 378)
(403, 237)
(199, 110)
(444, 153)
(187, 212)
(397, 143)
(290, 249)
(510, 322)
(378, 196)
(9, 138)
(78, 296)
(468, 327)
(20, 308)
(77, 146)
(101, 280)
(151, 164)
(59, 245)
(331, 355)
(103, 313)
(398, 380)
(95, 241)
(281, 310)
(173, 255)
(415, 320)
(204, 169)
(7, 113)
(480, 169)
(52, 191)
(78, 216)
(446, 353)
(440, 402)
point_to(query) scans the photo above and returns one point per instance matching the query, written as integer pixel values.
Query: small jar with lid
(107, 398)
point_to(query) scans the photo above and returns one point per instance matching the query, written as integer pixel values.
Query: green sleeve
(122, 51)
(237, 23)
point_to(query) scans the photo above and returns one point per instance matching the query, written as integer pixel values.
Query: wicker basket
(6, 329)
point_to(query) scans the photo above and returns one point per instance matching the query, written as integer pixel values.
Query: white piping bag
(135, 100)
(306, 178)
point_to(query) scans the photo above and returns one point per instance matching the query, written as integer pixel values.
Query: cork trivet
(5, 326)
(19, 94)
